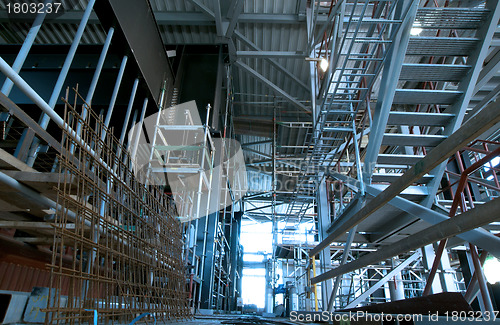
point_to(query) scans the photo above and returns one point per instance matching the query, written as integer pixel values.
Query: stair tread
(433, 72)
(426, 96)
(441, 46)
(415, 140)
(419, 118)
(398, 159)
(451, 18)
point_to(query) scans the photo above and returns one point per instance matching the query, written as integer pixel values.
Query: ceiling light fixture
(323, 63)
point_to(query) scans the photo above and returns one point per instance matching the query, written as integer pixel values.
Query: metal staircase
(418, 89)
(434, 87)
(372, 32)
(423, 96)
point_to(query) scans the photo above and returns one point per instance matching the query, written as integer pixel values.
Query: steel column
(478, 271)
(345, 255)
(323, 222)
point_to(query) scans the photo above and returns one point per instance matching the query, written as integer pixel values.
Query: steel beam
(485, 119)
(273, 62)
(271, 85)
(235, 12)
(137, 22)
(206, 11)
(492, 95)
(477, 217)
(255, 143)
(206, 17)
(488, 71)
(271, 54)
(218, 18)
(479, 237)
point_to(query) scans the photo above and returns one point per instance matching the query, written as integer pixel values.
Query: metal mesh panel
(116, 240)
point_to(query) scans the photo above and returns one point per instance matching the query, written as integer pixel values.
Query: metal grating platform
(441, 46)
(451, 18)
(433, 72)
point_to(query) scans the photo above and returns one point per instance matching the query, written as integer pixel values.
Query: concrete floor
(236, 320)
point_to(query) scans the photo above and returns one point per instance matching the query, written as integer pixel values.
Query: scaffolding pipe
(129, 111)
(59, 83)
(476, 126)
(203, 256)
(97, 74)
(25, 48)
(477, 217)
(139, 128)
(313, 261)
(37, 100)
(67, 63)
(112, 102)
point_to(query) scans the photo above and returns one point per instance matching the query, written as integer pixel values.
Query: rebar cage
(117, 244)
